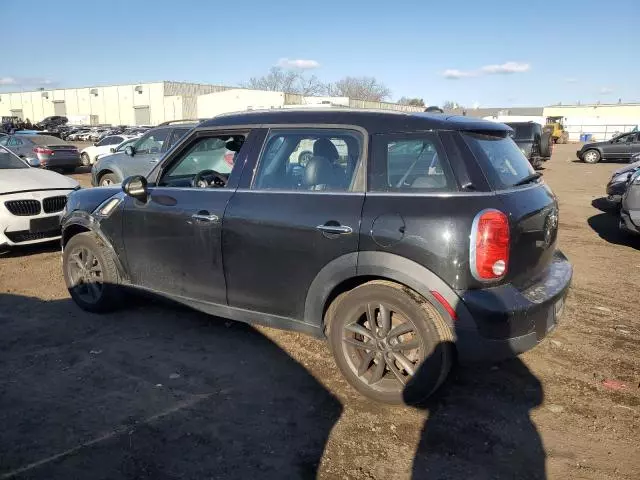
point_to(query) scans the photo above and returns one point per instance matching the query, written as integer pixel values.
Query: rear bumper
(511, 321)
(65, 162)
(579, 154)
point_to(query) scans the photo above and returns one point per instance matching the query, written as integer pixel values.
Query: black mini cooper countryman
(407, 240)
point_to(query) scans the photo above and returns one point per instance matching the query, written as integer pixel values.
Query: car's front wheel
(108, 180)
(591, 156)
(390, 344)
(91, 274)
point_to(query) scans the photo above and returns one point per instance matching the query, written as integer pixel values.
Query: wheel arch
(82, 223)
(354, 269)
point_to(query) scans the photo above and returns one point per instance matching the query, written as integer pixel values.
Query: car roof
(372, 120)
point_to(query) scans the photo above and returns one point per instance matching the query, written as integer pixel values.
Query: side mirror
(129, 150)
(136, 187)
(33, 162)
(112, 150)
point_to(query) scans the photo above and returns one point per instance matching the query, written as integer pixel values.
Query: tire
(375, 371)
(591, 156)
(546, 144)
(94, 286)
(108, 180)
(86, 161)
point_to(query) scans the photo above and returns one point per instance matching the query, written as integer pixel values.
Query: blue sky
(484, 52)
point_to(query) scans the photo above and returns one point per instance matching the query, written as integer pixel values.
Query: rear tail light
(489, 248)
(43, 150)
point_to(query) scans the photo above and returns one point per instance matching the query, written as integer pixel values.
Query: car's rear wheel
(86, 161)
(591, 156)
(91, 274)
(390, 344)
(108, 180)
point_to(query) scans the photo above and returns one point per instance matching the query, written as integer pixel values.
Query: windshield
(522, 131)
(503, 162)
(9, 161)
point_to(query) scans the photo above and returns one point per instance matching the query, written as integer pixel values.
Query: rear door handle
(205, 217)
(335, 229)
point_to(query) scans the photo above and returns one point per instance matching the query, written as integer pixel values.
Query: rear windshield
(503, 162)
(522, 131)
(47, 140)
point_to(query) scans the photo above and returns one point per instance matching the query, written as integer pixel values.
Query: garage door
(142, 115)
(60, 108)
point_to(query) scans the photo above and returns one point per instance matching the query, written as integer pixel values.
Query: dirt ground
(158, 392)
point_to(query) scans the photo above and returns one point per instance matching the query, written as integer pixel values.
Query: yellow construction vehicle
(555, 126)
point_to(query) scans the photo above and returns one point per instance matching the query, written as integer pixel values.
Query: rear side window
(502, 161)
(410, 163)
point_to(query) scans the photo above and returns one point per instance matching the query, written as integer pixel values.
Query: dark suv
(404, 239)
(535, 143)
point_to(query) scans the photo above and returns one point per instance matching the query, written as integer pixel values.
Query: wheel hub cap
(383, 348)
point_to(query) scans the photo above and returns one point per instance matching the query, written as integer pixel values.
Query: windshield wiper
(528, 179)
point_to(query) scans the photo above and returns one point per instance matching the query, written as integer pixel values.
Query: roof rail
(186, 120)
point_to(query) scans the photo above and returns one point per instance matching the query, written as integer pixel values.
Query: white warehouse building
(131, 104)
(157, 102)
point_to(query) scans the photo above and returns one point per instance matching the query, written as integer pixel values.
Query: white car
(31, 201)
(119, 148)
(89, 155)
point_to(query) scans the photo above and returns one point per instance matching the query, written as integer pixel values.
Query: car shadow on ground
(159, 393)
(606, 225)
(479, 426)
(479, 423)
(605, 205)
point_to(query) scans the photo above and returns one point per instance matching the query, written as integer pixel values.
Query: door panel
(273, 249)
(173, 240)
(170, 251)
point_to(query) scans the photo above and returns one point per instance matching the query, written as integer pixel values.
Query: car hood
(88, 199)
(20, 179)
(628, 168)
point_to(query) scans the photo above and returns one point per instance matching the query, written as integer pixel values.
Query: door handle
(335, 229)
(205, 217)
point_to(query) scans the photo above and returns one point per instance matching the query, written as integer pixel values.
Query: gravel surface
(156, 391)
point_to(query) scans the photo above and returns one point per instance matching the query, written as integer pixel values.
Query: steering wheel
(208, 178)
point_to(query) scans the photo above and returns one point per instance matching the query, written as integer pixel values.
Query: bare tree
(277, 80)
(450, 105)
(361, 88)
(414, 102)
(310, 86)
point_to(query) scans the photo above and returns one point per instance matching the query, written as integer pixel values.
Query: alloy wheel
(382, 347)
(85, 272)
(106, 182)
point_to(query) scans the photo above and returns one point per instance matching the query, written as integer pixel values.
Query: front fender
(388, 266)
(80, 221)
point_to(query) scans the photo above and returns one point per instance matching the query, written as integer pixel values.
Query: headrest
(318, 171)
(323, 147)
